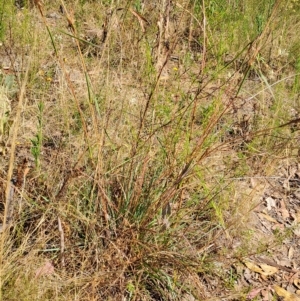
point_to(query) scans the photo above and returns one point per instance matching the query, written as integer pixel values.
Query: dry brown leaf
(269, 270)
(284, 212)
(291, 253)
(267, 217)
(285, 263)
(253, 267)
(252, 294)
(297, 283)
(285, 294)
(265, 270)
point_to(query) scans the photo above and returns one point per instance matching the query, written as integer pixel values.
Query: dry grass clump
(127, 135)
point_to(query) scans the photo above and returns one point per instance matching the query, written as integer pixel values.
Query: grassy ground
(135, 140)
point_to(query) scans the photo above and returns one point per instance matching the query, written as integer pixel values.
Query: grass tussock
(129, 135)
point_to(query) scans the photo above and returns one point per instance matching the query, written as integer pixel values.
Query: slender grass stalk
(4, 236)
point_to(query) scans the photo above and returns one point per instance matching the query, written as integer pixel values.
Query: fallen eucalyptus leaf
(291, 253)
(267, 217)
(285, 294)
(254, 268)
(264, 270)
(254, 293)
(269, 270)
(297, 283)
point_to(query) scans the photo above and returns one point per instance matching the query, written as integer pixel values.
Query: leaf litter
(274, 273)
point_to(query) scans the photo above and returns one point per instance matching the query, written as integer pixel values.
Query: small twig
(142, 20)
(259, 177)
(203, 61)
(62, 242)
(274, 264)
(9, 204)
